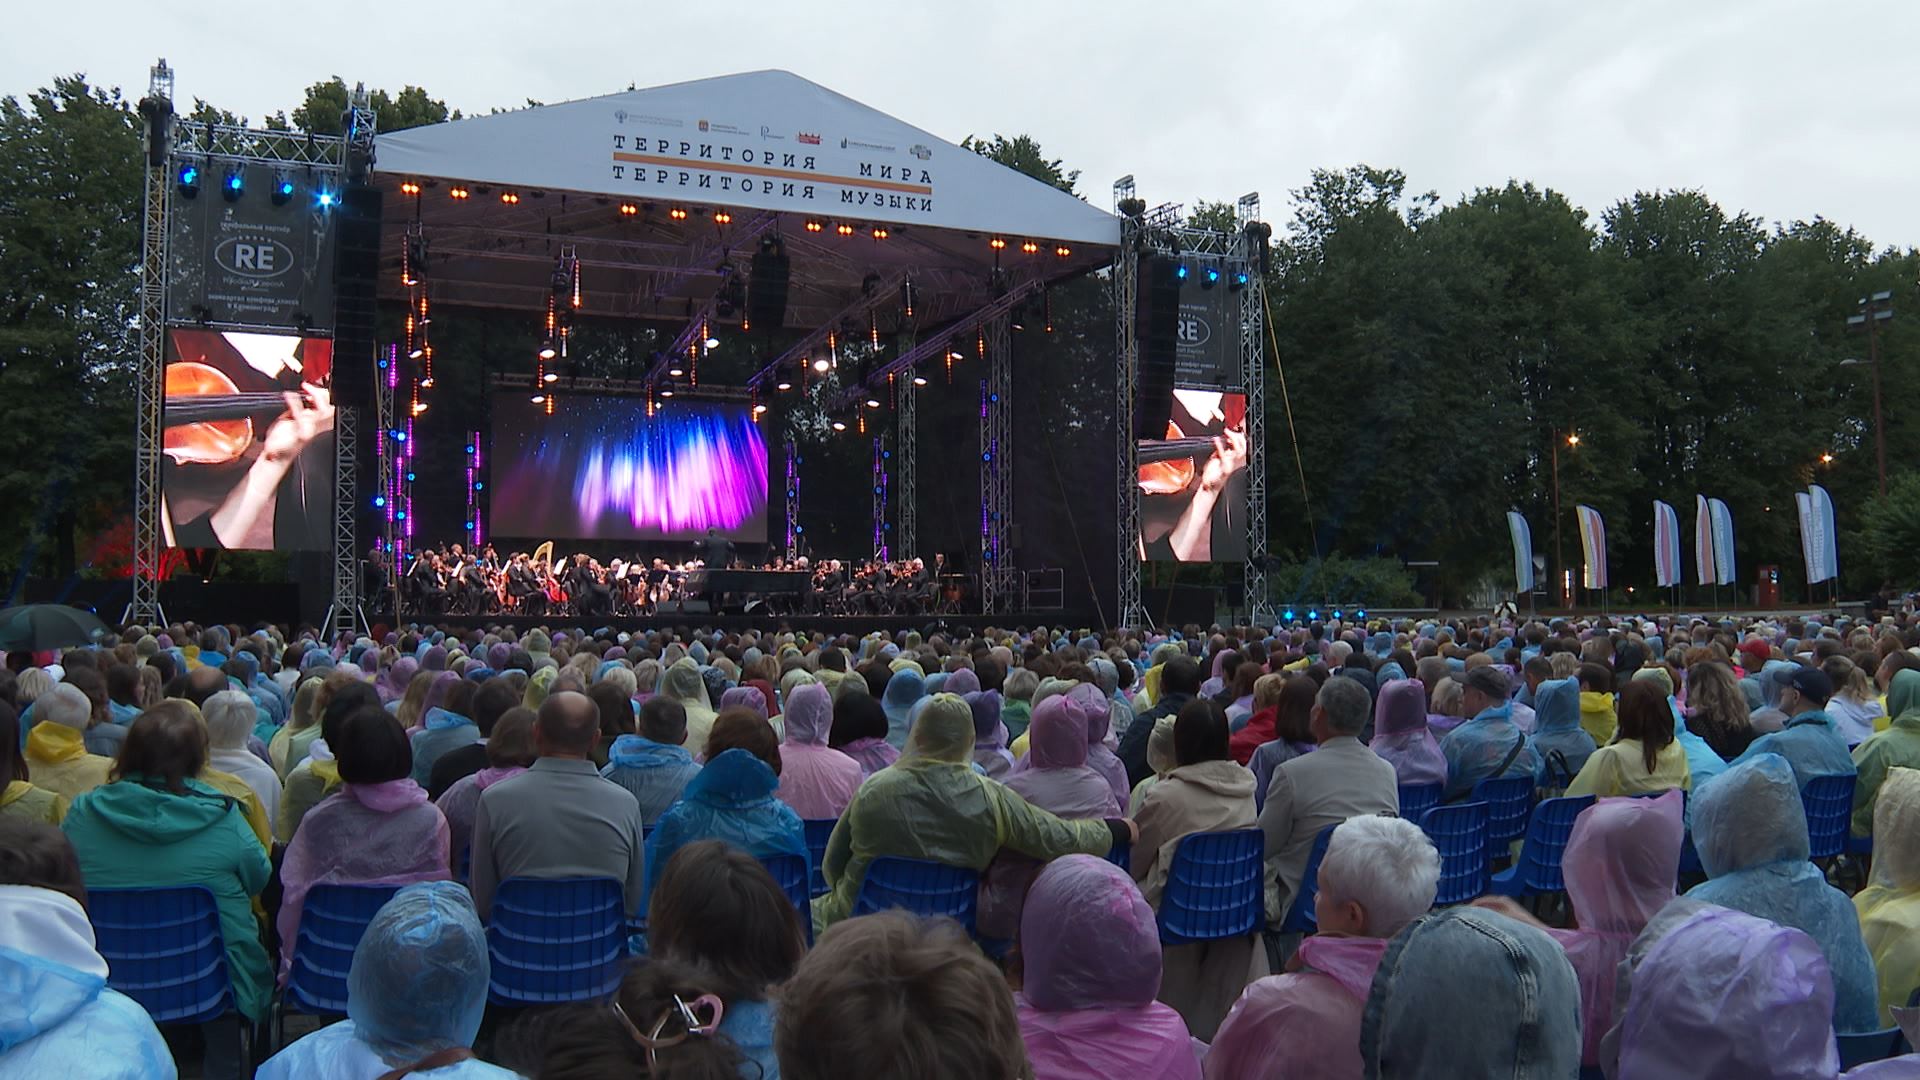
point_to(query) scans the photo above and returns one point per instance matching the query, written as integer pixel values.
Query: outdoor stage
(831, 625)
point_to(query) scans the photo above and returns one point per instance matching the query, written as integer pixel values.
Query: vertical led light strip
(793, 499)
(986, 462)
(879, 500)
(476, 528)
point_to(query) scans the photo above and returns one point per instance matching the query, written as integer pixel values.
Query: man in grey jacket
(560, 818)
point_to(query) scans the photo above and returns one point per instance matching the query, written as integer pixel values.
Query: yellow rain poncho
(1889, 907)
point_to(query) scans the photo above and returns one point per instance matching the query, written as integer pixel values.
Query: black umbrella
(48, 626)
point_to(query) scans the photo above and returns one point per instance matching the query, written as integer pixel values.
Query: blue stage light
(1181, 273)
(1361, 614)
(282, 191)
(1314, 615)
(379, 501)
(234, 186)
(1287, 615)
(189, 180)
(1336, 613)
(1213, 275)
(325, 200)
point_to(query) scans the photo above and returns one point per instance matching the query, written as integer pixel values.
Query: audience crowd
(1694, 936)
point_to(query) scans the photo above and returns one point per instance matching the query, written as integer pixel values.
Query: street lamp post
(1875, 310)
(1559, 549)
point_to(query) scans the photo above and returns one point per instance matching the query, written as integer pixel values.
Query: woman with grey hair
(230, 716)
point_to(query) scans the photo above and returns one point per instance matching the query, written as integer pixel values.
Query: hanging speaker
(767, 290)
(1158, 332)
(356, 272)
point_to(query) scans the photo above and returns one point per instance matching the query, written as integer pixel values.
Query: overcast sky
(1785, 110)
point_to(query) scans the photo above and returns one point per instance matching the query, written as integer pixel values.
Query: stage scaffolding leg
(151, 385)
(1253, 374)
(386, 459)
(1126, 295)
(879, 499)
(793, 493)
(344, 616)
(998, 580)
(906, 463)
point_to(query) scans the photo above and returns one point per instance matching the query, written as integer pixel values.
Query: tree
(70, 183)
(1890, 530)
(1022, 154)
(324, 110)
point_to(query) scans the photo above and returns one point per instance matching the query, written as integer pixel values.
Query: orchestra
(451, 580)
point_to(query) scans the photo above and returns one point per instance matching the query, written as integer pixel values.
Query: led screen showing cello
(1193, 483)
(247, 444)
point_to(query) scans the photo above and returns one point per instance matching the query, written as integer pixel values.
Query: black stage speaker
(356, 274)
(767, 291)
(1159, 327)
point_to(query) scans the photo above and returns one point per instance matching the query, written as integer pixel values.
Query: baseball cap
(1811, 682)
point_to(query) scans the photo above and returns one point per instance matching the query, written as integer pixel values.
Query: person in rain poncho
(415, 995)
(1896, 747)
(229, 715)
(1016, 711)
(654, 765)
(1558, 740)
(1751, 831)
(1488, 745)
(1160, 760)
(1598, 713)
(1889, 906)
(447, 725)
(1464, 994)
(1856, 709)
(817, 781)
(378, 828)
(1206, 792)
(1263, 721)
(1646, 757)
(1092, 969)
(1620, 865)
(1401, 736)
(905, 687)
(1710, 992)
(57, 1017)
(56, 750)
(989, 735)
(732, 799)
(932, 805)
(1810, 742)
(682, 683)
(1100, 755)
(1378, 875)
(393, 683)
(860, 729)
(288, 747)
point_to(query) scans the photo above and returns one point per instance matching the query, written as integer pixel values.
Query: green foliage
(1022, 154)
(325, 107)
(1890, 530)
(1337, 579)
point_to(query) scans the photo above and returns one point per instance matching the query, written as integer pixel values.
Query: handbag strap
(438, 1060)
(1519, 744)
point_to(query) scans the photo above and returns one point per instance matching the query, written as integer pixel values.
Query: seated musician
(523, 585)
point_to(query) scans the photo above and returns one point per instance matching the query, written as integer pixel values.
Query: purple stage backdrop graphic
(602, 469)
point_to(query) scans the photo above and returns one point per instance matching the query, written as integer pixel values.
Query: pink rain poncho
(989, 734)
(363, 834)
(1620, 866)
(817, 782)
(1092, 954)
(1305, 1023)
(1401, 736)
(1100, 755)
(1057, 777)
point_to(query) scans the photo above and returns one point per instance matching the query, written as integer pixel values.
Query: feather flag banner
(1703, 539)
(1809, 533)
(1593, 544)
(1666, 544)
(1522, 552)
(1722, 542)
(1826, 540)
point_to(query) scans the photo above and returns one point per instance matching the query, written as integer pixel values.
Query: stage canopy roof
(744, 157)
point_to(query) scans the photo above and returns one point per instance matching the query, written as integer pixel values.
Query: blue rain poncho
(1556, 729)
(418, 986)
(1811, 745)
(57, 1017)
(905, 687)
(444, 731)
(654, 772)
(1751, 832)
(1475, 749)
(732, 800)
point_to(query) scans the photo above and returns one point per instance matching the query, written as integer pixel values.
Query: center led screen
(602, 469)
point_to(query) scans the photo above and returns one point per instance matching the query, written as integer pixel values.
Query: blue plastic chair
(1301, 917)
(790, 873)
(819, 831)
(1862, 1047)
(922, 887)
(1538, 868)
(1509, 801)
(1829, 804)
(163, 949)
(1417, 799)
(553, 942)
(1214, 887)
(1121, 855)
(333, 919)
(1459, 831)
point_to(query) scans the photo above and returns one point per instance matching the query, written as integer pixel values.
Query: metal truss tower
(1126, 358)
(157, 109)
(1253, 354)
(999, 581)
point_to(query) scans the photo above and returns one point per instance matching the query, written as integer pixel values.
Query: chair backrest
(790, 873)
(333, 919)
(1865, 1046)
(920, 886)
(1546, 842)
(819, 831)
(1459, 832)
(1301, 918)
(556, 941)
(1214, 887)
(1121, 855)
(1509, 800)
(1417, 799)
(1829, 804)
(163, 949)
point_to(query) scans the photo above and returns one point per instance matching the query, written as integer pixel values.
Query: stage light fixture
(233, 186)
(783, 384)
(758, 409)
(426, 382)
(1030, 247)
(416, 353)
(1063, 251)
(815, 225)
(872, 402)
(1287, 615)
(919, 380)
(713, 343)
(678, 213)
(628, 209)
(538, 399)
(325, 199)
(408, 187)
(997, 243)
(379, 501)
(956, 354)
(721, 217)
(1180, 272)
(458, 192)
(282, 190)
(189, 180)
(880, 233)
(676, 371)
(549, 377)
(843, 229)
(821, 364)
(668, 392)
(1210, 277)
(1238, 281)
(510, 197)
(547, 351)
(419, 407)
(839, 425)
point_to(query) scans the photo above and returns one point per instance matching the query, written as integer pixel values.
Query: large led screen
(602, 469)
(1193, 483)
(248, 441)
